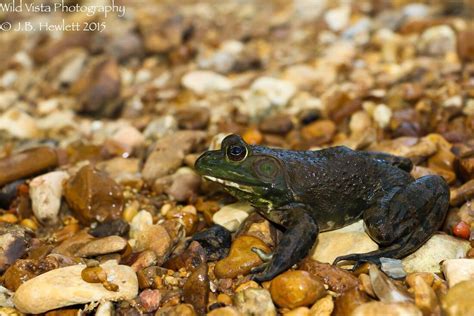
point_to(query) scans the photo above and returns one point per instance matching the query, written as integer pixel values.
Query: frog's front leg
(298, 239)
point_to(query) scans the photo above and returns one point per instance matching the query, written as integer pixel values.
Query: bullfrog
(307, 192)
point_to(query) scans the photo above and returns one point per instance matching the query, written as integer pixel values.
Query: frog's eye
(236, 152)
(266, 168)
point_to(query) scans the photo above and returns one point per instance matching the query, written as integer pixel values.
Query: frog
(305, 192)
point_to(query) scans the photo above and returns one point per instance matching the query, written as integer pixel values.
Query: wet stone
(338, 280)
(196, 289)
(293, 289)
(215, 240)
(458, 270)
(460, 299)
(241, 258)
(389, 309)
(26, 163)
(14, 243)
(102, 246)
(116, 227)
(254, 302)
(150, 300)
(177, 310)
(349, 301)
(277, 124)
(189, 259)
(93, 196)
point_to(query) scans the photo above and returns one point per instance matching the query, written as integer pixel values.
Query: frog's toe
(359, 259)
(260, 268)
(265, 257)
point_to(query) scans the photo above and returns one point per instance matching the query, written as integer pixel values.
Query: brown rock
(241, 258)
(102, 246)
(189, 259)
(442, 161)
(99, 88)
(459, 300)
(254, 302)
(463, 193)
(319, 132)
(296, 288)
(72, 244)
(26, 163)
(193, 117)
(276, 124)
(388, 309)
(155, 238)
(349, 301)
(323, 307)
(224, 311)
(14, 243)
(150, 300)
(93, 196)
(144, 259)
(186, 215)
(169, 153)
(337, 279)
(425, 297)
(46, 51)
(196, 289)
(465, 45)
(25, 269)
(177, 310)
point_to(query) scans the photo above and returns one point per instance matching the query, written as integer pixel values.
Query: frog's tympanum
(306, 192)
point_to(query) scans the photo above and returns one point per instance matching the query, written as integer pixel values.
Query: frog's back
(340, 183)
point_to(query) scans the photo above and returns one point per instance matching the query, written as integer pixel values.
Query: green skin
(305, 192)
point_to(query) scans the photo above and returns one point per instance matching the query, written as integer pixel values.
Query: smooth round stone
(241, 258)
(387, 309)
(65, 286)
(102, 246)
(460, 299)
(296, 288)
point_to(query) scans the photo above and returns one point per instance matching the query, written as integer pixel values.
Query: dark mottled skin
(310, 191)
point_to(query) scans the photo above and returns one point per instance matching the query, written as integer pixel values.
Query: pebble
(14, 243)
(105, 309)
(160, 127)
(194, 118)
(128, 136)
(182, 186)
(241, 258)
(93, 196)
(254, 302)
(337, 279)
(276, 124)
(458, 270)
(277, 91)
(385, 289)
(459, 300)
(338, 18)
(203, 81)
(185, 215)
(19, 124)
(437, 41)
(231, 216)
(382, 115)
(438, 248)
(110, 228)
(144, 260)
(293, 289)
(139, 223)
(177, 310)
(196, 289)
(169, 153)
(64, 287)
(102, 246)
(224, 311)
(350, 239)
(462, 194)
(465, 46)
(425, 297)
(45, 193)
(99, 88)
(189, 259)
(348, 301)
(155, 238)
(319, 132)
(323, 307)
(150, 300)
(387, 309)
(70, 245)
(216, 241)
(26, 163)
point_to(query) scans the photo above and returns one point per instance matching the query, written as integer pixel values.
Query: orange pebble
(253, 136)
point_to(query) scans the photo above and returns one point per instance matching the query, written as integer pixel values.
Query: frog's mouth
(231, 184)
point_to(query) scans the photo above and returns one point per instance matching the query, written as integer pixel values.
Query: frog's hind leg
(404, 219)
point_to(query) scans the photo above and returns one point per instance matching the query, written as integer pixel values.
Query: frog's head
(248, 172)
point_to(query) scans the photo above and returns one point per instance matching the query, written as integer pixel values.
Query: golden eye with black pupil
(236, 152)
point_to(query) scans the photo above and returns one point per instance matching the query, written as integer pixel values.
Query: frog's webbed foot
(298, 239)
(359, 259)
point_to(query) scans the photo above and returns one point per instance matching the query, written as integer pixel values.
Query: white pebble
(45, 194)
